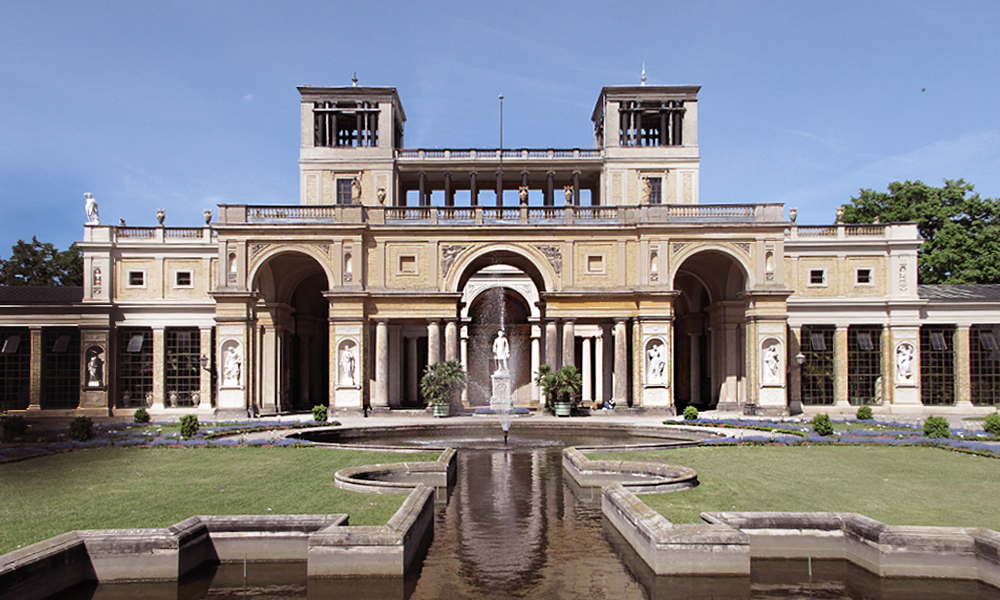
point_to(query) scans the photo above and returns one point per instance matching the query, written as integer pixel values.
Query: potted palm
(439, 384)
(559, 387)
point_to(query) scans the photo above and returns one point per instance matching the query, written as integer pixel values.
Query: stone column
(621, 361)
(568, 344)
(381, 397)
(536, 357)
(433, 341)
(464, 351)
(473, 189)
(423, 200)
(205, 383)
(576, 188)
(695, 372)
(963, 368)
(606, 362)
(795, 369)
(449, 193)
(451, 340)
(35, 389)
(840, 367)
(550, 189)
(599, 368)
(500, 187)
(588, 395)
(412, 371)
(159, 361)
(731, 366)
(552, 344)
(396, 378)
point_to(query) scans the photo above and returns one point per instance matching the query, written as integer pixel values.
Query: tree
(961, 230)
(41, 264)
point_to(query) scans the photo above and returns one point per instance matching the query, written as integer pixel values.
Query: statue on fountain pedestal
(501, 351)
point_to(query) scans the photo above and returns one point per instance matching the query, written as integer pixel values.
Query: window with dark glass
(135, 367)
(817, 277)
(15, 368)
(937, 364)
(864, 364)
(183, 279)
(183, 369)
(817, 369)
(136, 278)
(60, 367)
(655, 190)
(864, 276)
(984, 364)
(344, 195)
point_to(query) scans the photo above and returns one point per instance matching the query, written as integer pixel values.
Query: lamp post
(795, 402)
(500, 176)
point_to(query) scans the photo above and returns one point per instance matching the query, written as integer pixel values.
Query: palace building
(395, 258)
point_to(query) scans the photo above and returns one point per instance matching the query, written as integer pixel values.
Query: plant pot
(563, 409)
(441, 410)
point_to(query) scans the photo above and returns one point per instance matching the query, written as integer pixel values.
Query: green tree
(961, 229)
(41, 264)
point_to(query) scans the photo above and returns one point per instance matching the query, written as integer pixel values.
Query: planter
(563, 409)
(441, 410)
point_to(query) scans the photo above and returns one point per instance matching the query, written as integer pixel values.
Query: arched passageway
(493, 309)
(710, 332)
(292, 334)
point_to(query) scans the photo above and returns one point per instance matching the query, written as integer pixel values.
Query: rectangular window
(183, 369)
(864, 364)
(984, 365)
(817, 370)
(655, 190)
(937, 365)
(15, 369)
(817, 277)
(408, 265)
(135, 367)
(595, 264)
(182, 279)
(137, 279)
(343, 191)
(60, 368)
(864, 276)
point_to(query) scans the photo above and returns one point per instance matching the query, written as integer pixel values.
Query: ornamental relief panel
(448, 255)
(553, 254)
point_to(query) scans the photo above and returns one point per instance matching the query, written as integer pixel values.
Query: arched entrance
(501, 285)
(292, 334)
(710, 332)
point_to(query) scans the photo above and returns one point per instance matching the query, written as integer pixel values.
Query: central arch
(292, 333)
(710, 332)
(501, 286)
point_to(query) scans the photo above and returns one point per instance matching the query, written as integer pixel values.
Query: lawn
(896, 485)
(110, 488)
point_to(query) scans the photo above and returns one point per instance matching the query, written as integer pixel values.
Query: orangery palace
(395, 258)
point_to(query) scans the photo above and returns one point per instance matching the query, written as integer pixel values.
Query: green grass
(898, 486)
(110, 488)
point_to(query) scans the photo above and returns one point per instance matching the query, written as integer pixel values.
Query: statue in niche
(233, 367)
(904, 363)
(501, 351)
(380, 194)
(657, 364)
(95, 369)
(647, 190)
(902, 277)
(772, 364)
(93, 218)
(356, 190)
(97, 280)
(347, 366)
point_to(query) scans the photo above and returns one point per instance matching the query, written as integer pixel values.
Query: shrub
(690, 413)
(81, 429)
(14, 426)
(822, 424)
(140, 416)
(864, 413)
(992, 424)
(189, 426)
(936, 427)
(319, 413)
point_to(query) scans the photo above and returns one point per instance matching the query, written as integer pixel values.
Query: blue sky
(185, 105)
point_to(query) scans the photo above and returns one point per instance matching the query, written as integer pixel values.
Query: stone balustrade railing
(493, 154)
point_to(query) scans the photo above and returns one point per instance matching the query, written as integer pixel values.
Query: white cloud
(248, 99)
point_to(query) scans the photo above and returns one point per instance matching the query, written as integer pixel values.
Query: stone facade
(396, 258)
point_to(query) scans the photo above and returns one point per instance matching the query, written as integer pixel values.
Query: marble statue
(772, 364)
(347, 365)
(93, 218)
(95, 369)
(904, 362)
(501, 351)
(233, 366)
(654, 373)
